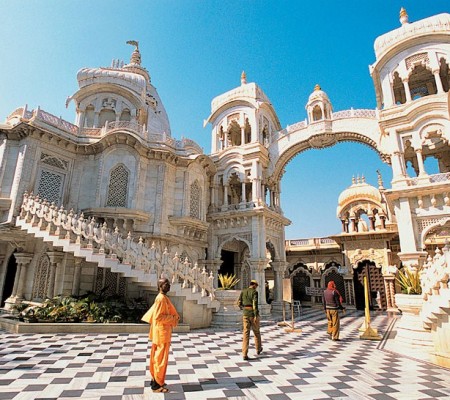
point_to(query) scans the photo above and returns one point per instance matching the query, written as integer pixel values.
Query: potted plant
(409, 300)
(228, 281)
(229, 315)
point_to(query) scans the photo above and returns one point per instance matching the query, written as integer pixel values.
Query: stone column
(225, 195)
(389, 285)
(23, 260)
(55, 258)
(76, 276)
(242, 135)
(407, 91)
(438, 81)
(244, 195)
(420, 162)
(279, 269)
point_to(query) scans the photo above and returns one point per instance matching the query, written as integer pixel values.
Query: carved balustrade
(436, 272)
(86, 232)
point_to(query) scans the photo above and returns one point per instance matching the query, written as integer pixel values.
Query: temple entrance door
(375, 283)
(228, 258)
(9, 279)
(300, 280)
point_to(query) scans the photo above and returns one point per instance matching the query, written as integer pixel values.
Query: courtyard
(207, 364)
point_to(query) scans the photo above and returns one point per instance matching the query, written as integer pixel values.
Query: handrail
(140, 255)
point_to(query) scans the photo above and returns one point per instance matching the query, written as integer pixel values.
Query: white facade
(120, 166)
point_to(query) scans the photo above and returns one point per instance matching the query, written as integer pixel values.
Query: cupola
(319, 106)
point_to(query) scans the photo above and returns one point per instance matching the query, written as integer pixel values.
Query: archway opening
(9, 279)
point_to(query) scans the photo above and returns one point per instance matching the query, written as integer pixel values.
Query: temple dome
(318, 94)
(359, 189)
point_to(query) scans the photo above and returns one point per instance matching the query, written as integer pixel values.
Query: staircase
(95, 243)
(435, 313)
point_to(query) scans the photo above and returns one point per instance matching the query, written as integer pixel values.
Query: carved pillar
(76, 276)
(279, 269)
(407, 91)
(225, 195)
(244, 195)
(389, 285)
(23, 260)
(242, 135)
(420, 162)
(55, 258)
(438, 81)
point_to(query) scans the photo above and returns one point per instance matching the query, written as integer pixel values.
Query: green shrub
(409, 281)
(228, 281)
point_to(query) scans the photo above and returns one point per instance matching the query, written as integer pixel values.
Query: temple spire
(135, 56)
(243, 78)
(403, 16)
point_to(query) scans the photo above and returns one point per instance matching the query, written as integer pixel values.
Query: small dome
(359, 189)
(318, 94)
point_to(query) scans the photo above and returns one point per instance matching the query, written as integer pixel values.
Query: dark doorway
(300, 281)
(375, 283)
(9, 279)
(227, 266)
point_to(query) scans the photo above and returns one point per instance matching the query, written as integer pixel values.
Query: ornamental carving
(358, 255)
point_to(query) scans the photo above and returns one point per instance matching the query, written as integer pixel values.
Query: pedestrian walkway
(208, 364)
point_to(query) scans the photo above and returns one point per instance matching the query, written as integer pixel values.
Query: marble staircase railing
(436, 293)
(136, 260)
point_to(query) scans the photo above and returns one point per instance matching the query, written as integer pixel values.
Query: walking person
(248, 303)
(331, 300)
(163, 319)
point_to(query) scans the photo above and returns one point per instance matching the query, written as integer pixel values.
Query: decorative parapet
(436, 178)
(435, 25)
(41, 118)
(311, 243)
(324, 124)
(88, 234)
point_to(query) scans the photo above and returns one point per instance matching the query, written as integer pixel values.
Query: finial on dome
(243, 78)
(353, 180)
(363, 179)
(317, 87)
(135, 56)
(403, 16)
(380, 180)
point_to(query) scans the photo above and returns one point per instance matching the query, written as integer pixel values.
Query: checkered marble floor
(208, 365)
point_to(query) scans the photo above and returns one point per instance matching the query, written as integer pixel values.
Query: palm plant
(228, 281)
(409, 281)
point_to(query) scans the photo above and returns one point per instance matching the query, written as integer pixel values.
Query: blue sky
(196, 50)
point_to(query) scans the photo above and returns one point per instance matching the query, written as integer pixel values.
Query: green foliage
(409, 281)
(87, 308)
(228, 281)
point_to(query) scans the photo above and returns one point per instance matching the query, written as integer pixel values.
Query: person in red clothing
(332, 303)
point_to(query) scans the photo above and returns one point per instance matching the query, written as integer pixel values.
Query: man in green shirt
(248, 303)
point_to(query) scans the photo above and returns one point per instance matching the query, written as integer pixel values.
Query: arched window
(89, 116)
(399, 89)
(234, 134)
(248, 132)
(106, 115)
(444, 73)
(118, 187)
(126, 115)
(317, 113)
(196, 195)
(421, 82)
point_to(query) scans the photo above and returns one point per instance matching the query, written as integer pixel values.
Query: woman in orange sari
(164, 318)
